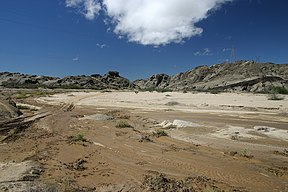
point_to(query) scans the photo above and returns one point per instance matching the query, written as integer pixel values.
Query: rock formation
(247, 76)
(242, 76)
(112, 80)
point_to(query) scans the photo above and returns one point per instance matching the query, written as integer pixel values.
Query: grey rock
(241, 76)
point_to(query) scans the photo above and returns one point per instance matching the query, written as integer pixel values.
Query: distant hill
(112, 80)
(246, 76)
(242, 76)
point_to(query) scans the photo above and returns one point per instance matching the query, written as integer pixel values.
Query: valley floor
(114, 141)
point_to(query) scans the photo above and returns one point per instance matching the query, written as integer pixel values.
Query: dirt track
(111, 158)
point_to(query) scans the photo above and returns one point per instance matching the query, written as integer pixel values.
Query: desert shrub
(274, 97)
(22, 107)
(160, 133)
(77, 138)
(280, 90)
(123, 124)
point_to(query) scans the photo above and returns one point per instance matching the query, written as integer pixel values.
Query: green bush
(77, 138)
(123, 124)
(22, 107)
(280, 90)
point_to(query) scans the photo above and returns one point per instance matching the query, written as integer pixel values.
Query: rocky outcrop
(158, 80)
(112, 80)
(246, 76)
(8, 109)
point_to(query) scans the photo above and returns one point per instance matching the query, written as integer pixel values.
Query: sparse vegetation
(160, 133)
(77, 138)
(22, 107)
(24, 95)
(280, 90)
(123, 124)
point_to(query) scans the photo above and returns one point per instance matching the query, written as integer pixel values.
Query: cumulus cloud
(154, 22)
(159, 22)
(89, 8)
(204, 52)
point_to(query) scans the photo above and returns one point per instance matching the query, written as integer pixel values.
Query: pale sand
(232, 102)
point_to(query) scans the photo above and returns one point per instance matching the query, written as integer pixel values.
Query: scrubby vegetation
(280, 90)
(80, 137)
(123, 124)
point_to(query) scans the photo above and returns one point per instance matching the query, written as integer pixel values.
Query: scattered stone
(156, 182)
(77, 165)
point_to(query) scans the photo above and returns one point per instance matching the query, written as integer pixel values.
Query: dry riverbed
(127, 141)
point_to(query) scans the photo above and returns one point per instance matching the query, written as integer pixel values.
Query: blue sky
(75, 37)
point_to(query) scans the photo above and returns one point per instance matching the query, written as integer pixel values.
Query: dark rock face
(112, 80)
(156, 81)
(240, 76)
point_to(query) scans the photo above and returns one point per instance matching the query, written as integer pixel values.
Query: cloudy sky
(138, 38)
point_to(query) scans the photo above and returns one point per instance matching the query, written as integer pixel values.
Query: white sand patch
(250, 103)
(177, 123)
(235, 132)
(272, 132)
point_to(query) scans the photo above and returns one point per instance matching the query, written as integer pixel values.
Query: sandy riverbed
(238, 141)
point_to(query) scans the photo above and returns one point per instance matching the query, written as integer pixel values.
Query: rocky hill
(242, 76)
(247, 76)
(112, 80)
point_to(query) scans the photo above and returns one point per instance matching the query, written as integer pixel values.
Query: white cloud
(204, 52)
(159, 22)
(89, 8)
(102, 45)
(152, 22)
(75, 59)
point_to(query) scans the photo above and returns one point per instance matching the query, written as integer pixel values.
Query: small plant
(77, 138)
(160, 133)
(22, 107)
(275, 97)
(123, 124)
(80, 137)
